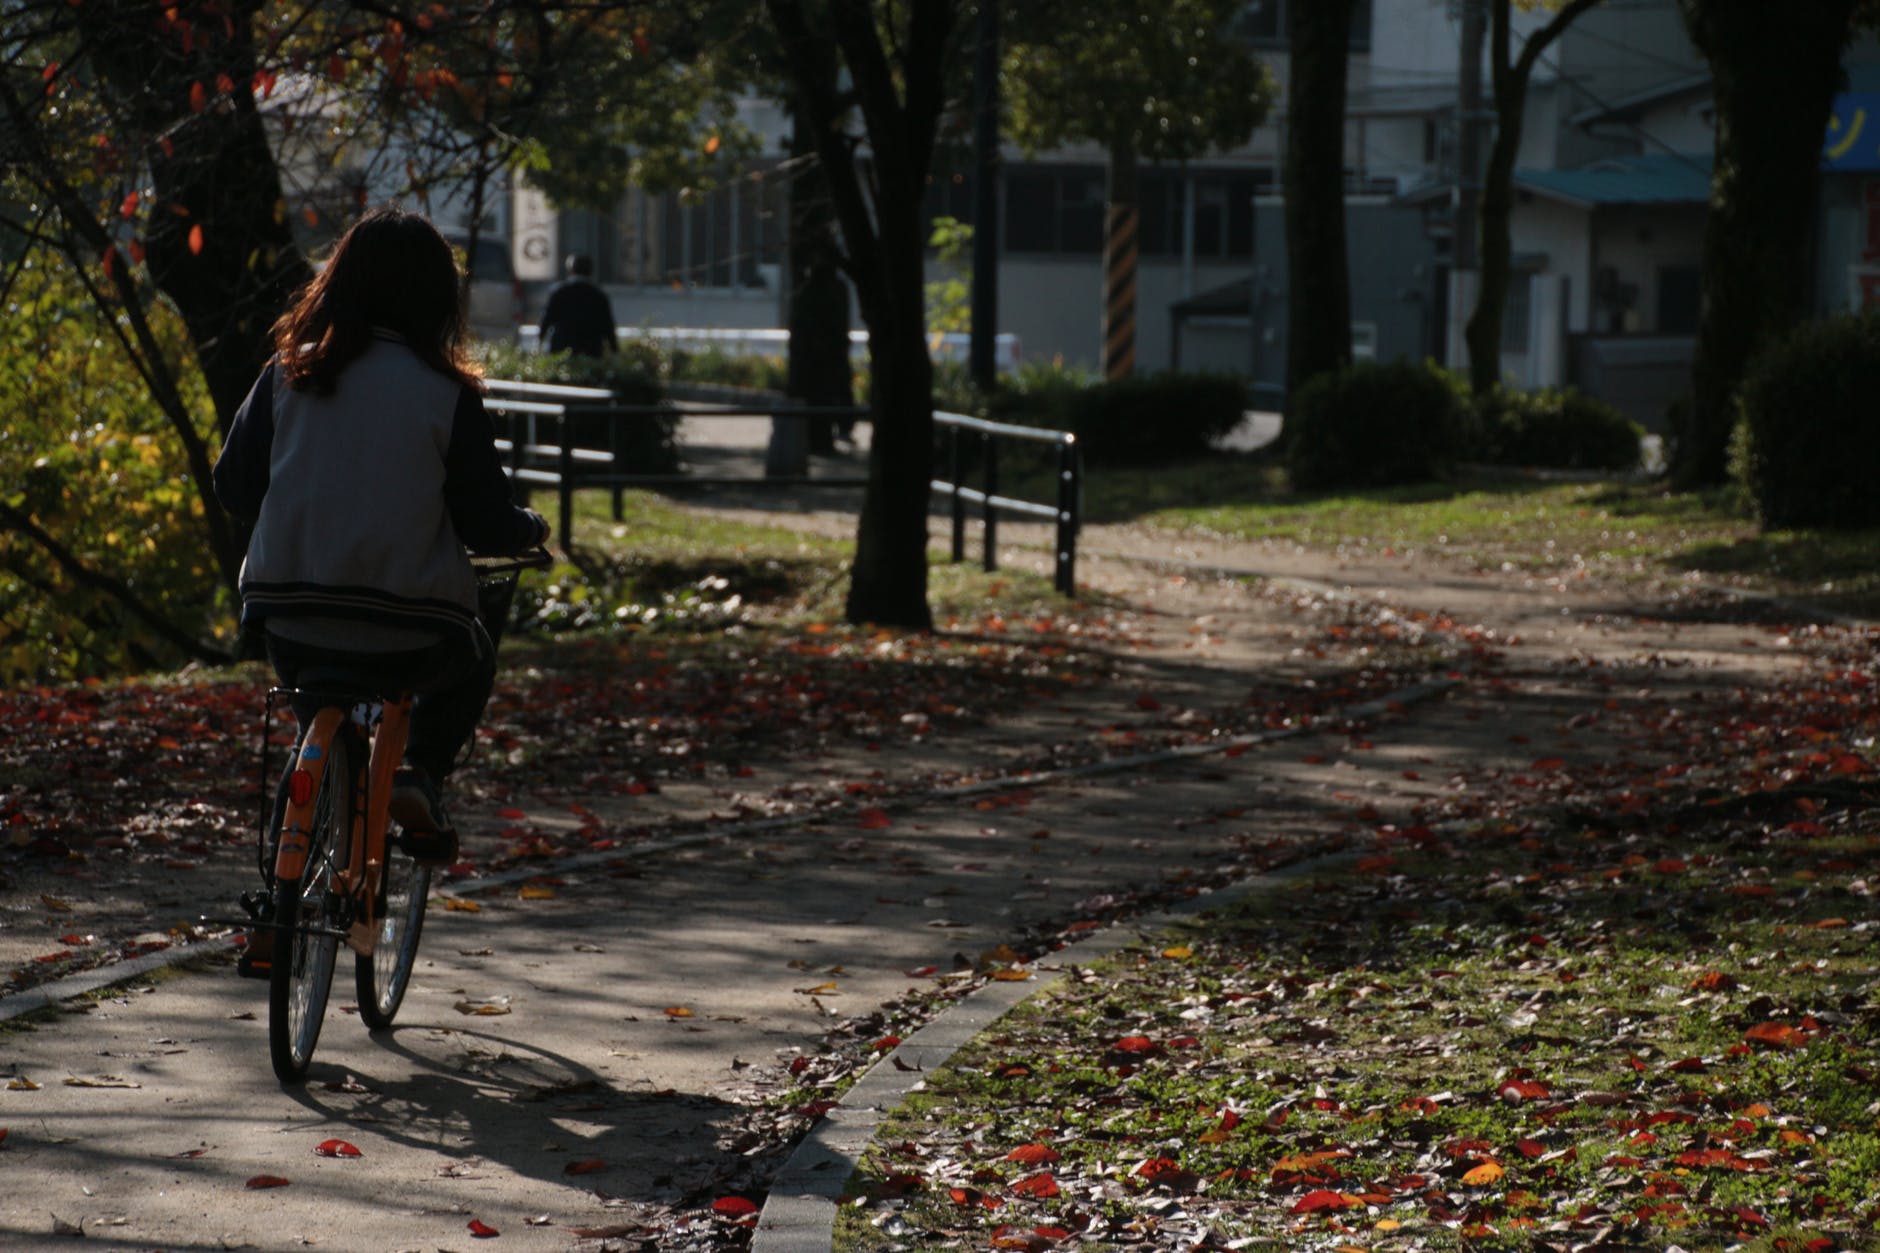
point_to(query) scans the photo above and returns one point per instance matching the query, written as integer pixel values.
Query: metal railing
(1065, 512)
(528, 405)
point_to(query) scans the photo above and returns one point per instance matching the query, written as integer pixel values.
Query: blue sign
(1853, 139)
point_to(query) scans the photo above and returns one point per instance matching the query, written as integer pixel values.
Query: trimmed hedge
(1372, 425)
(1812, 447)
(1556, 427)
(1144, 420)
(633, 375)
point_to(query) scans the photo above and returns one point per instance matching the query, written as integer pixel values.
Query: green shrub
(1372, 425)
(86, 455)
(634, 375)
(1555, 427)
(725, 369)
(1151, 418)
(1813, 448)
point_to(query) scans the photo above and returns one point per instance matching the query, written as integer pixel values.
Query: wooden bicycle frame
(365, 863)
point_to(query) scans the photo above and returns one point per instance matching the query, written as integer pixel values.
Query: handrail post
(990, 562)
(567, 479)
(955, 467)
(1069, 485)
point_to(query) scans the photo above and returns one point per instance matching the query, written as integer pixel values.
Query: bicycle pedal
(257, 959)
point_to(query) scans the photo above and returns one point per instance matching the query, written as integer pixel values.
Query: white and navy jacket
(364, 500)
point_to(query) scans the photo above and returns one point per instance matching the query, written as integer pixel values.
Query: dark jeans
(452, 679)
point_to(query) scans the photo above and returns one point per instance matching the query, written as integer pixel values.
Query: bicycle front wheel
(309, 913)
(383, 977)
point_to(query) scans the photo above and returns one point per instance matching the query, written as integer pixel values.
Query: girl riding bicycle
(365, 460)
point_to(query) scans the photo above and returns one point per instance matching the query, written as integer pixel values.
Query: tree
(1509, 79)
(142, 143)
(1318, 323)
(896, 55)
(1167, 85)
(1774, 79)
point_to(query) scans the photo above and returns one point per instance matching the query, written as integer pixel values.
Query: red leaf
(195, 239)
(267, 1181)
(1040, 1185)
(1548, 763)
(873, 818)
(129, 207)
(335, 1148)
(733, 1207)
(1517, 1090)
(1135, 1044)
(1775, 1035)
(1034, 1155)
(198, 97)
(482, 1230)
(586, 1166)
(1320, 1200)
(1148, 702)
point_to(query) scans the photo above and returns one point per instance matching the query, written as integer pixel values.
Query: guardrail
(529, 404)
(1064, 512)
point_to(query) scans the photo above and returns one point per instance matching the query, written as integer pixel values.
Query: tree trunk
(1774, 82)
(900, 100)
(1318, 330)
(1495, 255)
(889, 582)
(218, 242)
(818, 367)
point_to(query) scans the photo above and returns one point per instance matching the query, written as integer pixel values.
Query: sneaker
(425, 830)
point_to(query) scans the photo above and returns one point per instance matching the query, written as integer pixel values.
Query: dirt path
(594, 1059)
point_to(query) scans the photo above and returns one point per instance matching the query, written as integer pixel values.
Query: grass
(1416, 1057)
(1621, 529)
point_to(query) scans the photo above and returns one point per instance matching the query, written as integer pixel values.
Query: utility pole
(982, 358)
(1465, 256)
(1469, 135)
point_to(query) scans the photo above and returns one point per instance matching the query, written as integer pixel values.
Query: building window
(1054, 211)
(1679, 297)
(1268, 23)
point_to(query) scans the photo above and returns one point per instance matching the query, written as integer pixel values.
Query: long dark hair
(390, 270)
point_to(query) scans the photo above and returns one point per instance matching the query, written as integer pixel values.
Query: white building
(1612, 183)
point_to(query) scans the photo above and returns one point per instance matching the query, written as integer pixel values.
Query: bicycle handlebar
(488, 567)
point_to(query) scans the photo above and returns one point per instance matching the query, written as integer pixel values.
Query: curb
(799, 1212)
(49, 995)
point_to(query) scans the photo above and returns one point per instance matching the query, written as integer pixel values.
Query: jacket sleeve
(241, 472)
(476, 492)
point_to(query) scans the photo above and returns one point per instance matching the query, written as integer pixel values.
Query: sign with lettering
(1853, 138)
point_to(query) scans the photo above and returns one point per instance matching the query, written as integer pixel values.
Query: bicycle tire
(309, 915)
(382, 978)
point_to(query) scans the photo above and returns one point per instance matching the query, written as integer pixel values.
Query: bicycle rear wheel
(310, 914)
(382, 978)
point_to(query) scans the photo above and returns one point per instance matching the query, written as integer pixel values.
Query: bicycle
(330, 873)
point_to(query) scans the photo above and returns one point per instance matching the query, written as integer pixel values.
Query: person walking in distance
(578, 317)
(368, 465)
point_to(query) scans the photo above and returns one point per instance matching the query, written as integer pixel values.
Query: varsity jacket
(363, 501)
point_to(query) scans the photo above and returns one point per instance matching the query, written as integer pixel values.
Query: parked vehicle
(497, 299)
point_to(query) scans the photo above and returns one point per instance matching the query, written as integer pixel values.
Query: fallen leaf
(267, 1181)
(536, 892)
(484, 1009)
(20, 1083)
(1034, 1155)
(678, 1011)
(482, 1230)
(99, 1081)
(458, 905)
(336, 1148)
(586, 1166)
(1040, 1185)
(1486, 1173)
(733, 1207)
(1320, 1200)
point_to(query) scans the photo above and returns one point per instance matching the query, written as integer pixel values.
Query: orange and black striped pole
(1120, 245)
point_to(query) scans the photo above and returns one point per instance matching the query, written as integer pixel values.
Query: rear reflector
(300, 787)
